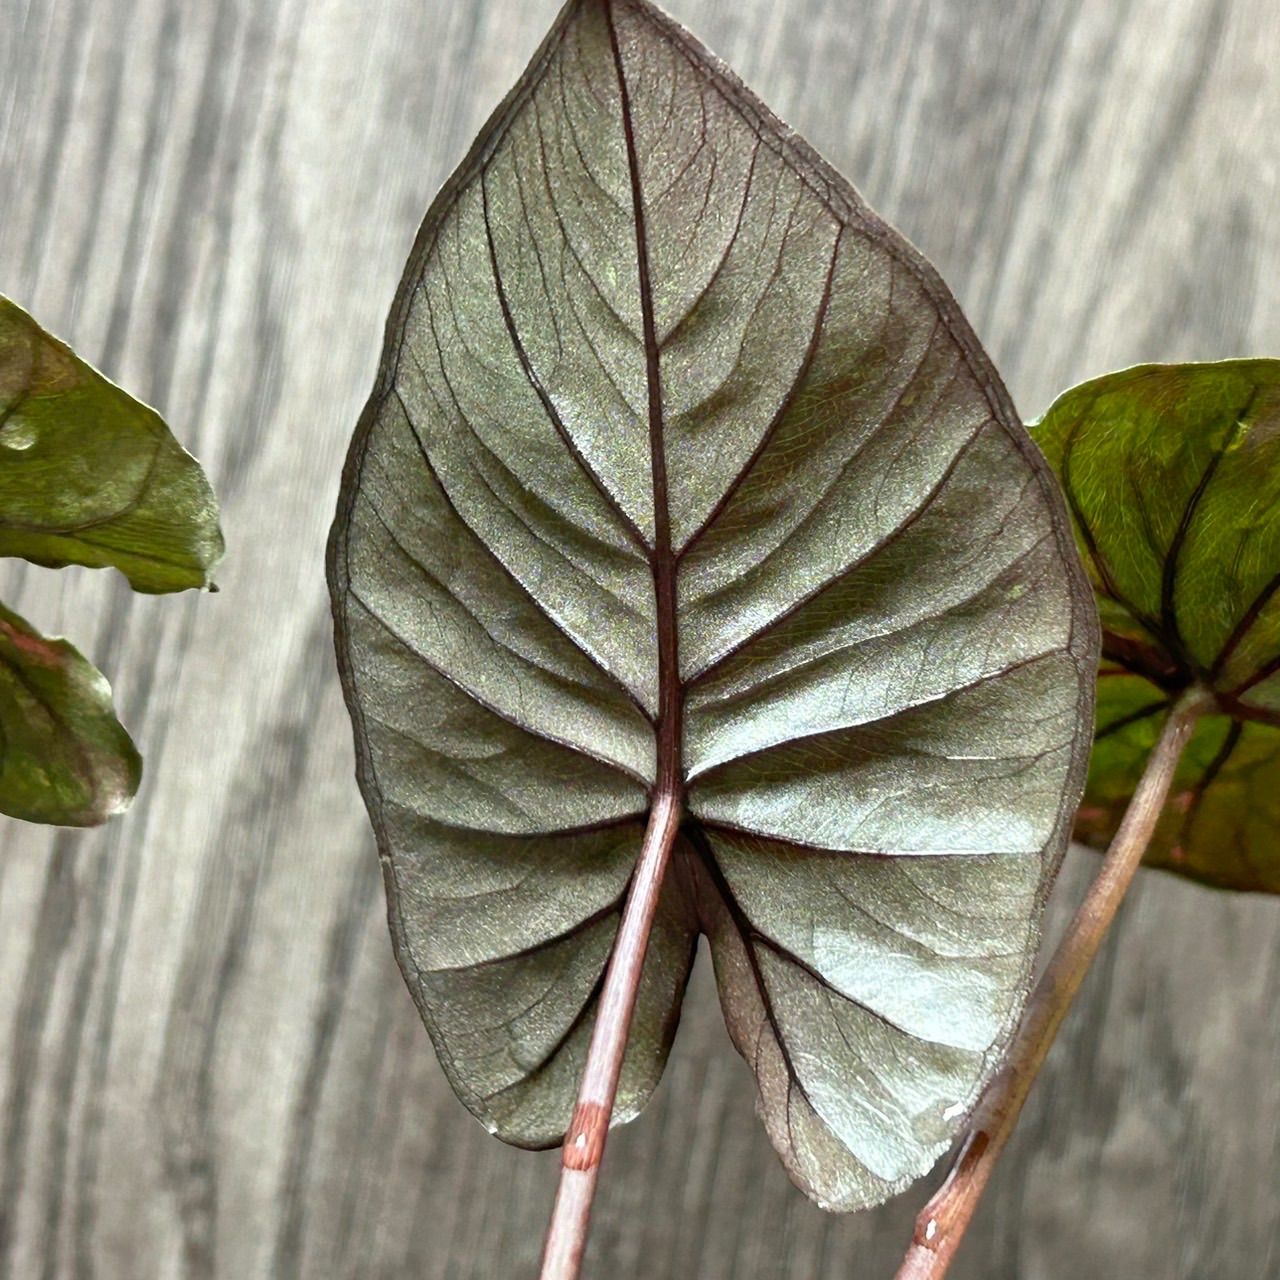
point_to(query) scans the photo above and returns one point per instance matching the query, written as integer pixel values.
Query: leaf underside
(90, 476)
(1172, 474)
(672, 431)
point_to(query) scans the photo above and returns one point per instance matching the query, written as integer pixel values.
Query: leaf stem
(942, 1222)
(584, 1141)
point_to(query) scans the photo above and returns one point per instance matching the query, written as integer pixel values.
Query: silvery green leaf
(682, 463)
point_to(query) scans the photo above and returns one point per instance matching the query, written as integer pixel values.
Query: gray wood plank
(208, 1064)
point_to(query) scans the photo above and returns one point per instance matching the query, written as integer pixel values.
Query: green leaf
(1172, 474)
(90, 476)
(682, 465)
(64, 757)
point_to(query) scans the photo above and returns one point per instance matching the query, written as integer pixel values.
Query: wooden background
(209, 1066)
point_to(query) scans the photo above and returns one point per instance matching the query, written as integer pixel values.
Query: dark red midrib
(670, 728)
(584, 1140)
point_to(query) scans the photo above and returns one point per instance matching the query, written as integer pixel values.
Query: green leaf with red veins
(1172, 474)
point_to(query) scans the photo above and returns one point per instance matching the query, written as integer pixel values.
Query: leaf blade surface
(90, 476)
(1172, 474)
(673, 431)
(64, 757)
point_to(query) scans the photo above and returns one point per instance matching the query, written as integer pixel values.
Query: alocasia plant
(1172, 474)
(693, 573)
(88, 476)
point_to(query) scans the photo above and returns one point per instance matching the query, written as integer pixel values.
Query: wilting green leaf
(64, 756)
(656, 381)
(90, 476)
(1172, 473)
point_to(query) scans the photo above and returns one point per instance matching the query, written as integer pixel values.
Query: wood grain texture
(209, 1066)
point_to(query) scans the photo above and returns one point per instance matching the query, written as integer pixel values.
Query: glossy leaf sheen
(64, 757)
(90, 476)
(680, 460)
(1172, 473)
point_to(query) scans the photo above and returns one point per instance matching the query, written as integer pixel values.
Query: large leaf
(682, 465)
(90, 476)
(1172, 474)
(64, 756)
